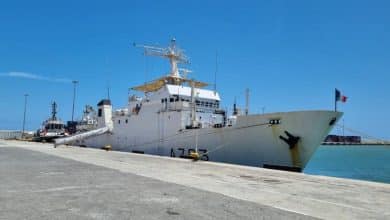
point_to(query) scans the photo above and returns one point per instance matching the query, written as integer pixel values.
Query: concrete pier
(38, 181)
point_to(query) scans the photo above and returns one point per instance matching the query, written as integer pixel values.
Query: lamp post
(24, 114)
(74, 96)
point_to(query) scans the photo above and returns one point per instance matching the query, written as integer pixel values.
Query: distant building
(10, 134)
(343, 139)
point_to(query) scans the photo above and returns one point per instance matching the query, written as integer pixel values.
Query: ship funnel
(105, 114)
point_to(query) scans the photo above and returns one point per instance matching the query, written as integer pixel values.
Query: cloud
(32, 76)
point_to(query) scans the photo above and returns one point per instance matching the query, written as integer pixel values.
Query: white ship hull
(180, 117)
(251, 141)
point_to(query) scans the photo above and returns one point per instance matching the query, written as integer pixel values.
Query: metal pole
(335, 101)
(215, 73)
(247, 101)
(74, 96)
(193, 105)
(24, 114)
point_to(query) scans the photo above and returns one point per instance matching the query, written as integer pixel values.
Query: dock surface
(38, 181)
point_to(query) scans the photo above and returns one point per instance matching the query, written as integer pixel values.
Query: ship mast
(53, 111)
(173, 53)
(176, 76)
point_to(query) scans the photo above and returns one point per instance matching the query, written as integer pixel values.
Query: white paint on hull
(251, 141)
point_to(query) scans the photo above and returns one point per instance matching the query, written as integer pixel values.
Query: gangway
(81, 136)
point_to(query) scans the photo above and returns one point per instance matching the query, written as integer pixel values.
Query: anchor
(291, 140)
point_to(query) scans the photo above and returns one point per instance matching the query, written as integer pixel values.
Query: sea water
(363, 162)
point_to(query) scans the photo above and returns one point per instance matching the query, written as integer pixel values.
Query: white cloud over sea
(32, 76)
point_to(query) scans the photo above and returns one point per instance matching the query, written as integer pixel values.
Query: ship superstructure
(178, 117)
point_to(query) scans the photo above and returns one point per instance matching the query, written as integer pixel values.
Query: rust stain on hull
(295, 156)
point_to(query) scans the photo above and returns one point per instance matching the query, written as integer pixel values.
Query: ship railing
(184, 106)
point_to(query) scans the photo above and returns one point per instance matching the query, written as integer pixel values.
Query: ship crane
(172, 52)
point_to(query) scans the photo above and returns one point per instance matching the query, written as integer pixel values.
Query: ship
(88, 121)
(177, 116)
(51, 128)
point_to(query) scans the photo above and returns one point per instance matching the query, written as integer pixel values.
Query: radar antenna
(172, 52)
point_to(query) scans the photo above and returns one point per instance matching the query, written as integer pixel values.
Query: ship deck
(42, 182)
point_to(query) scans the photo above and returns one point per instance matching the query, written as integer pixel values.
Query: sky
(290, 54)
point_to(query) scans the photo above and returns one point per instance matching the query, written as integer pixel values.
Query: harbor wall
(10, 134)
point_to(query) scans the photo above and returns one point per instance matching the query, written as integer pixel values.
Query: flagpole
(335, 101)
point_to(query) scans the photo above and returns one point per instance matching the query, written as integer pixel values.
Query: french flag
(340, 97)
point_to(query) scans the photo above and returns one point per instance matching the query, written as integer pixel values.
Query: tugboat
(52, 128)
